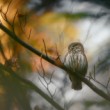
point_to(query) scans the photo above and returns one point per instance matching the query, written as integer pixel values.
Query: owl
(76, 62)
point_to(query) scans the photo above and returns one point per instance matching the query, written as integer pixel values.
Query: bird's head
(76, 46)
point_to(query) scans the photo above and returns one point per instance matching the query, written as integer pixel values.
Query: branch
(43, 76)
(27, 46)
(50, 60)
(94, 88)
(30, 85)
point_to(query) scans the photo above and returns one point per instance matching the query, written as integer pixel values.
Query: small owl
(76, 61)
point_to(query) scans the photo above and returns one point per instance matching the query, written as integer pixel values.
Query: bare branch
(13, 28)
(91, 78)
(30, 33)
(45, 47)
(30, 85)
(94, 73)
(98, 82)
(8, 7)
(58, 55)
(57, 50)
(46, 86)
(2, 52)
(4, 14)
(44, 78)
(108, 89)
(22, 22)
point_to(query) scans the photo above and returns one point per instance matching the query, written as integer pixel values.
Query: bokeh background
(54, 24)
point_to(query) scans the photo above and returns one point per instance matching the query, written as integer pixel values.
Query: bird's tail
(76, 83)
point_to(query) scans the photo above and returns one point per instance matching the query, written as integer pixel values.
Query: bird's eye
(72, 47)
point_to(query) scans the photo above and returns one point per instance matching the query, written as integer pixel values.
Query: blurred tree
(105, 3)
(47, 5)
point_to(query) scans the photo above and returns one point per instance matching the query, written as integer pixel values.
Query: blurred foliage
(13, 94)
(47, 5)
(105, 3)
(77, 16)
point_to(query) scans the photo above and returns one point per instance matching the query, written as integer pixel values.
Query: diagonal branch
(30, 85)
(27, 46)
(50, 60)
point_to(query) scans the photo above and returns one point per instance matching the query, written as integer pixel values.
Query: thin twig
(94, 73)
(30, 33)
(58, 56)
(91, 78)
(45, 47)
(4, 16)
(8, 7)
(42, 65)
(2, 52)
(108, 90)
(95, 80)
(47, 83)
(22, 22)
(30, 85)
(13, 28)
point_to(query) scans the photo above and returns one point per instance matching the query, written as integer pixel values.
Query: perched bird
(76, 62)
